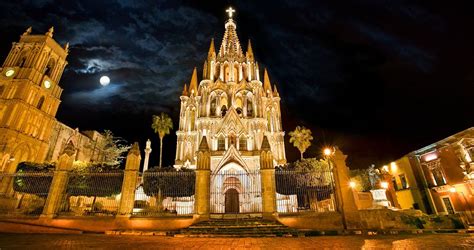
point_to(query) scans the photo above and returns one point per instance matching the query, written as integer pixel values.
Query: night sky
(378, 78)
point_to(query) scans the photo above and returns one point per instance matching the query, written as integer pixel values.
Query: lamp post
(328, 153)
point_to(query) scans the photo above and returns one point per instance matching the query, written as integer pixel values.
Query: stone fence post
(203, 181)
(130, 180)
(345, 200)
(267, 175)
(58, 184)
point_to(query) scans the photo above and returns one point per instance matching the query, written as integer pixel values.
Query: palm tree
(301, 138)
(162, 125)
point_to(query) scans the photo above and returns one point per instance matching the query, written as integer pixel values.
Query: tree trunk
(301, 155)
(161, 150)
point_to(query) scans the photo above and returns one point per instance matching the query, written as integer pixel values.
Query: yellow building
(29, 100)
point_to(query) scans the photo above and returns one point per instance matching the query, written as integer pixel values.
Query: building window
(221, 143)
(242, 143)
(449, 206)
(40, 103)
(436, 170)
(394, 183)
(403, 181)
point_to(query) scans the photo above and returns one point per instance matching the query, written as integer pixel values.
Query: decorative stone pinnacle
(135, 149)
(50, 31)
(28, 31)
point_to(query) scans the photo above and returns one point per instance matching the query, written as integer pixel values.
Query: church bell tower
(29, 98)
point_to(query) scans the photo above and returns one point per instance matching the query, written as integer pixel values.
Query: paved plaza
(88, 241)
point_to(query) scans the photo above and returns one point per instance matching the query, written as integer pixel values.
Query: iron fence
(304, 191)
(92, 194)
(24, 193)
(165, 194)
(234, 191)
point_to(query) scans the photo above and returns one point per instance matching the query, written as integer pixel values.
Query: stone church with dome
(230, 112)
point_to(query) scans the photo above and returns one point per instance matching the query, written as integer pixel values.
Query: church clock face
(9, 72)
(47, 84)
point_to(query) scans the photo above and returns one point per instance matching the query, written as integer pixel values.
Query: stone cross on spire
(230, 11)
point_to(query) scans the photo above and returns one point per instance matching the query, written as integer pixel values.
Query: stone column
(203, 181)
(346, 203)
(58, 185)
(147, 155)
(267, 175)
(129, 184)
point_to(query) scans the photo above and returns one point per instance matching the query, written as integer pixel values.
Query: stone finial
(66, 47)
(266, 82)
(265, 144)
(27, 31)
(135, 149)
(50, 31)
(194, 83)
(212, 48)
(203, 146)
(69, 149)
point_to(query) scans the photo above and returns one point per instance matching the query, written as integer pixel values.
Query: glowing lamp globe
(104, 80)
(352, 184)
(384, 184)
(327, 151)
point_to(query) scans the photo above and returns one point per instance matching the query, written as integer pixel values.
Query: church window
(223, 100)
(213, 106)
(192, 117)
(269, 121)
(226, 73)
(403, 181)
(236, 73)
(243, 143)
(239, 111)
(223, 110)
(48, 70)
(249, 106)
(221, 143)
(22, 59)
(40, 103)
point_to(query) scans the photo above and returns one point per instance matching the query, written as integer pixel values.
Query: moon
(104, 80)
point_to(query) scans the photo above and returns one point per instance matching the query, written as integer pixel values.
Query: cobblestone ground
(48, 241)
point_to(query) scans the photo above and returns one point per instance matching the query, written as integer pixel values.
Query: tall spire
(28, 31)
(212, 49)
(185, 90)
(230, 43)
(266, 82)
(249, 53)
(194, 82)
(50, 32)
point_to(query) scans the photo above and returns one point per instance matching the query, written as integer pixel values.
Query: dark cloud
(359, 73)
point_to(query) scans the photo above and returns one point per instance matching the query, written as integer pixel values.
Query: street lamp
(452, 190)
(328, 152)
(352, 184)
(384, 184)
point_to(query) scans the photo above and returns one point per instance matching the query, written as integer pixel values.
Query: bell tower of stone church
(29, 97)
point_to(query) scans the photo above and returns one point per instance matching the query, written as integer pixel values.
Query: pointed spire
(265, 144)
(194, 82)
(266, 82)
(212, 48)
(134, 150)
(66, 47)
(50, 31)
(249, 53)
(230, 42)
(203, 146)
(275, 90)
(27, 31)
(185, 90)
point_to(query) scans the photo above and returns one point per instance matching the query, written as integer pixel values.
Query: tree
(112, 149)
(162, 125)
(301, 138)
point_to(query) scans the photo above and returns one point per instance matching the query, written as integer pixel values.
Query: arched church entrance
(235, 190)
(232, 205)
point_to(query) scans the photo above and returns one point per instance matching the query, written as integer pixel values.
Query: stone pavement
(57, 241)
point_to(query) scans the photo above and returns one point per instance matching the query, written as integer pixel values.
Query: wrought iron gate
(235, 191)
